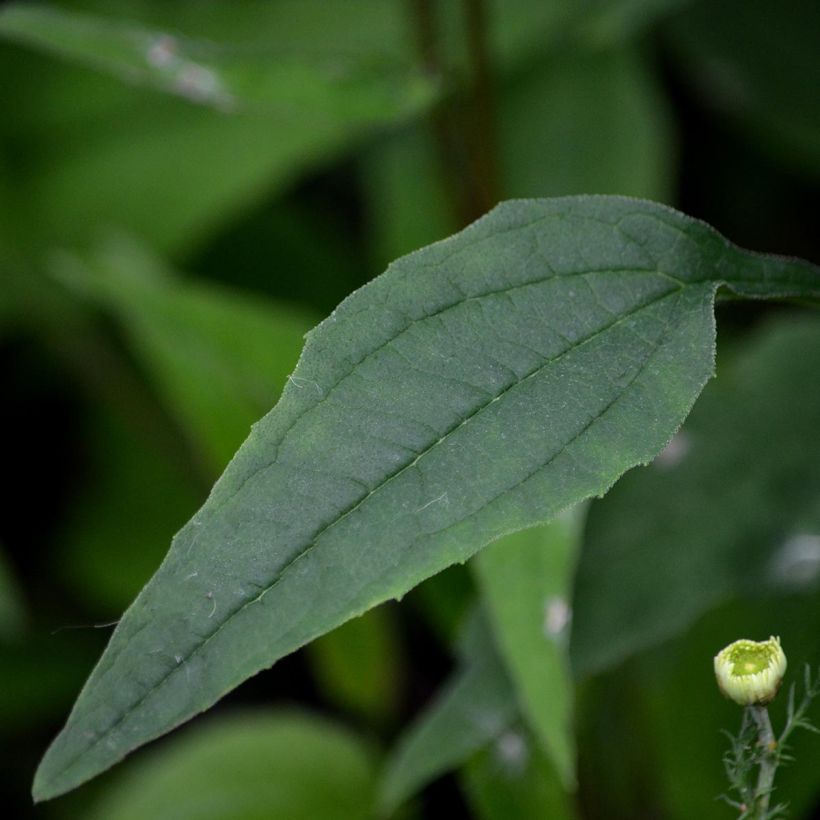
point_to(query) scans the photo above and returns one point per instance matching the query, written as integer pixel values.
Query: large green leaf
(473, 708)
(526, 579)
(250, 766)
(480, 386)
(731, 506)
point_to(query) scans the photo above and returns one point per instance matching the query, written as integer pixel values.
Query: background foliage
(187, 187)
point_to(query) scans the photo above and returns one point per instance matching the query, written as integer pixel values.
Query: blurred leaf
(12, 610)
(731, 504)
(688, 712)
(480, 386)
(226, 76)
(249, 766)
(360, 665)
(526, 581)
(513, 778)
(760, 66)
(219, 358)
(168, 171)
(356, 29)
(407, 204)
(586, 122)
(473, 708)
(613, 21)
(130, 498)
(519, 30)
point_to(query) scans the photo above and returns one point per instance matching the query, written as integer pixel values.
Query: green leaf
(526, 580)
(226, 76)
(250, 766)
(731, 506)
(219, 358)
(582, 121)
(735, 52)
(473, 708)
(480, 386)
(360, 666)
(608, 21)
(513, 778)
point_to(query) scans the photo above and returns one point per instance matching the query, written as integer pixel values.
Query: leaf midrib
(450, 306)
(356, 505)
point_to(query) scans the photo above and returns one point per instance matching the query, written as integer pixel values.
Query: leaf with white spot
(526, 580)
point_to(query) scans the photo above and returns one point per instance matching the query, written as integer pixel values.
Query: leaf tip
(51, 778)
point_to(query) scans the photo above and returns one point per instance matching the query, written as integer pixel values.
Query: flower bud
(750, 672)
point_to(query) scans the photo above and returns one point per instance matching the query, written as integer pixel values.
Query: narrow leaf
(478, 387)
(473, 708)
(526, 579)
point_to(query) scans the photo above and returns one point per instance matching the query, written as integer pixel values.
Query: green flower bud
(750, 672)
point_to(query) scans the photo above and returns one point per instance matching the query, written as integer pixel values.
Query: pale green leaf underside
(479, 386)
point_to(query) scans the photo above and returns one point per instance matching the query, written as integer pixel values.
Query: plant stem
(443, 127)
(485, 147)
(768, 761)
(463, 124)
